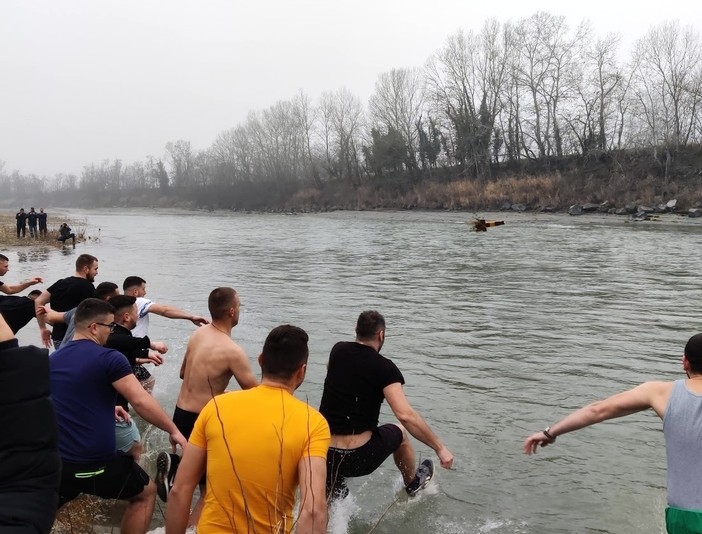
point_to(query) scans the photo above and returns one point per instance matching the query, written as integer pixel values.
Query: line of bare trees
(533, 90)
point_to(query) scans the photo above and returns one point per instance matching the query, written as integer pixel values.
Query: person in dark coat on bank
(42, 222)
(29, 462)
(32, 218)
(21, 218)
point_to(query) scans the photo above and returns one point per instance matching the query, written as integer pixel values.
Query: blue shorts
(126, 434)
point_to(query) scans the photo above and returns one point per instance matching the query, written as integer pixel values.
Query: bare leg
(404, 458)
(137, 516)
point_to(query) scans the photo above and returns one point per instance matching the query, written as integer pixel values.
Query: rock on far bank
(694, 212)
(575, 209)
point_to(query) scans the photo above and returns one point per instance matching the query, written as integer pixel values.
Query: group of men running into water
(249, 450)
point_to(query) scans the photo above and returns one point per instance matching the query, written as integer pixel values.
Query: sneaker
(425, 472)
(166, 468)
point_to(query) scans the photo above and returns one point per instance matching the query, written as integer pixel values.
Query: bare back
(210, 360)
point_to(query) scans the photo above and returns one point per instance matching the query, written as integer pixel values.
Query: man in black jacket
(139, 351)
(29, 462)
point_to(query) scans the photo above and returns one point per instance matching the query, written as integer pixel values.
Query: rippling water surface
(498, 334)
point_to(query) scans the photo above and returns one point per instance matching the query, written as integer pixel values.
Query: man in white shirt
(135, 286)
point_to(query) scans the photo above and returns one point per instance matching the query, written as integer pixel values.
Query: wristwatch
(550, 436)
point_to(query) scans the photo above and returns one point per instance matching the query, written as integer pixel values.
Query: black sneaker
(166, 468)
(425, 472)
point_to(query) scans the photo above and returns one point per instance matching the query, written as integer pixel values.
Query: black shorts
(185, 421)
(345, 463)
(119, 478)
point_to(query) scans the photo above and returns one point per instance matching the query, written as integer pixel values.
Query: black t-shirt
(66, 294)
(17, 311)
(353, 389)
(32, 217)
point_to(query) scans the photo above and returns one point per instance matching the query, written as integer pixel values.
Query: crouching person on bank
(258, 445)
(85, 380)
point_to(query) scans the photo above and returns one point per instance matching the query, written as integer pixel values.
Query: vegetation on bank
(532, 111)
(8, 232)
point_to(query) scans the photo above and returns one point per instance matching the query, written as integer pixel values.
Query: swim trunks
(343, 463)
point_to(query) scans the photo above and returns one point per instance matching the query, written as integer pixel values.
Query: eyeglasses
(111, 326)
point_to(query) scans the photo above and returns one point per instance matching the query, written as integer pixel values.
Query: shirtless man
(211, 359)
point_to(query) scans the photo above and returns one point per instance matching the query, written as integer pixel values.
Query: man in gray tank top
(679, 405)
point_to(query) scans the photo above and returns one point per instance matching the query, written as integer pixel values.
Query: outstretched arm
(648, 395)
(176, 313)
(414, 423)
(24, 284)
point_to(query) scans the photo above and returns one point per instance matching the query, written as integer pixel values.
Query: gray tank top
(682, 428)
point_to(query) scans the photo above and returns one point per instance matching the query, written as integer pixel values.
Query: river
(498, 334)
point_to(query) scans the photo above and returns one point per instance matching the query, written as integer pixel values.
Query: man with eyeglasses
(85, 380)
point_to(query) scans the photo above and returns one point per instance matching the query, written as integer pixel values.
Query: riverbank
(8, 232)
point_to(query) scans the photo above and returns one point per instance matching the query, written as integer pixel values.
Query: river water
(498, 334)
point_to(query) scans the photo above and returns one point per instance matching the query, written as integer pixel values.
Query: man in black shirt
(42, 222)
(358, 380)
(29, 461)
(32, 217)
(138, 351)
(21, 218)
(66, 294)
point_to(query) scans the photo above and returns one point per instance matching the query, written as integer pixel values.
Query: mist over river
(498, 334)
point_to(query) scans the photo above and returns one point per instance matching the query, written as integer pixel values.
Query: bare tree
(397, 104)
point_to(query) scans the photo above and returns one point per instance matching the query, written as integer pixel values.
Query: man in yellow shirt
(258, 446)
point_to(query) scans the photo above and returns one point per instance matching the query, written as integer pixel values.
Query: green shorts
(680, 521)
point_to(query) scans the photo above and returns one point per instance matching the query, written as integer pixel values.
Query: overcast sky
(86, 80)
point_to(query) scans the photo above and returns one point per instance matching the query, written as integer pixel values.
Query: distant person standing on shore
(32, 217)
(21, 217)
(42, 222)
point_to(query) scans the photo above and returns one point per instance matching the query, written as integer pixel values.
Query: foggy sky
(86, 80)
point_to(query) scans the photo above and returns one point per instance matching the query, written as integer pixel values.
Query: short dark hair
(84, 260)
(122, 302)
(220, 300)
(91, 310)
(284, 351)
(4, 258)
(369, 323)
(132, 281)
(693, 353)
(34, 293)
(104, 290)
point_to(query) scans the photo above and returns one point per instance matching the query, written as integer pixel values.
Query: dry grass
(81, 515)
(8, 232)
